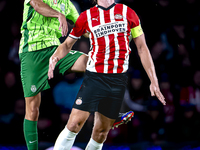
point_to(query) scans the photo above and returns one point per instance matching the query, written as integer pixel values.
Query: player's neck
(105, 3)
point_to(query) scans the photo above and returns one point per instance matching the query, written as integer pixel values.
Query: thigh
(80, 64)
(66, 64)
(91, 92)
(110, 106)
(102, 125)
(34, 69)
(102, 122)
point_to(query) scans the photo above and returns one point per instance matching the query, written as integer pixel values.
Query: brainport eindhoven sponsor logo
(109, 28)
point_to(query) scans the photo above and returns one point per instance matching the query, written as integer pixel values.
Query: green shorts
(35, 65)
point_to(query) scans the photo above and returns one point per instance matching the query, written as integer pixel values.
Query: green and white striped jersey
(40, 32)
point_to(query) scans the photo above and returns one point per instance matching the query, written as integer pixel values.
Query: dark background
(172, 32)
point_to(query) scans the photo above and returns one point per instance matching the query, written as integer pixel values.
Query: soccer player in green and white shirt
(44, 22)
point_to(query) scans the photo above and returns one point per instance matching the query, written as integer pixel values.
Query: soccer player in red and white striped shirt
(109, 26)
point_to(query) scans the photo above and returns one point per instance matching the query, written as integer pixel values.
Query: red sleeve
(133, 19)
(80, 26)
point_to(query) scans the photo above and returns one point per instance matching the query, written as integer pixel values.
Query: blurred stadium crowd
(172, 32)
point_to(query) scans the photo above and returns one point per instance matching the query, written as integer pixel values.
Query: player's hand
(63, 24)
(52, 64)
(155, 91)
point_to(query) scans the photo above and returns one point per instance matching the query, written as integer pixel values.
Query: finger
(51, 69)
(66, 30)
(63, 31)
(161, 97)
(50, 73)
(152, 92)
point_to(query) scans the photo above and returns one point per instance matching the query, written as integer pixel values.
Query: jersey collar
(106, 8)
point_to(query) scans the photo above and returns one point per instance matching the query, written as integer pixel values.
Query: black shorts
(102, 92)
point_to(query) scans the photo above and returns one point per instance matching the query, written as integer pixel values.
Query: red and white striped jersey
(109, 30)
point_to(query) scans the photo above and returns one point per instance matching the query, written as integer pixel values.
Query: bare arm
(148, 65)
(60, 53)
(44, 9)
(47, 11)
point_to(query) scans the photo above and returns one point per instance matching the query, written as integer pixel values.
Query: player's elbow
(140, 49)
(35, 5)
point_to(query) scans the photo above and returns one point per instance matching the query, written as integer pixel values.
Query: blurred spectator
(11, 89)
(154, 123)
(169, 108)
(65, 91)
(188, 124)
(13, 53)
(17, 122)
(49, 120)
(190, 95)
(134, 97)
(166, 90)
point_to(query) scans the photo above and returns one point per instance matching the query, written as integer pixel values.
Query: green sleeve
(73, 13)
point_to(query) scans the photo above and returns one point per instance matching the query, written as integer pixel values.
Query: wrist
(60, 15)
(154, 80)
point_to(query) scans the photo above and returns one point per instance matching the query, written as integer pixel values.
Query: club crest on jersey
(118, 16)
(79, 101)
(55, 1)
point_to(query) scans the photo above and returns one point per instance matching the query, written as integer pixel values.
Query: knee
(74, 126)
(100, 134)
(32, 109)
(34, 113)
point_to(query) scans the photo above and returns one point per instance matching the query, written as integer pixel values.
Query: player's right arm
(45, 10)
(65, 47)
(60, 53)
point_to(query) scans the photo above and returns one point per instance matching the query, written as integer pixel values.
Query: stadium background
(172, 32)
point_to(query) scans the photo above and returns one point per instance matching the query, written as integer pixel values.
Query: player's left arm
(60, 53)
(143, 51)
(148, 65)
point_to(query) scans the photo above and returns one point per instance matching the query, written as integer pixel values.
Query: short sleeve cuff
(74, 37)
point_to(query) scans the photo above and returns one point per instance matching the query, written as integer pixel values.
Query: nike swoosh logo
(32, 141)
